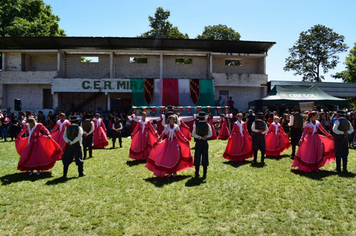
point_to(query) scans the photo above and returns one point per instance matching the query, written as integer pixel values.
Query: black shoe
(338, 170)
(196, 175)
(82, 175)
(204, 176)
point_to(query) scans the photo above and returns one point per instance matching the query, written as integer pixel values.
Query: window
(89, 59)
(138, 59)
(224, 93)
(184, 61)
(233, 63)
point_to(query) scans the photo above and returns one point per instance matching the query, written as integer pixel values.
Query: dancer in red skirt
(210, 121)
(100, 138)
(173, 154)
(143, 138)
(38, 152)
(239, 146)
(315, 150)
(58, 130)
(276, 139)
(224, 132)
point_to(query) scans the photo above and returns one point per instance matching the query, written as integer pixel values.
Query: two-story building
(72, 73)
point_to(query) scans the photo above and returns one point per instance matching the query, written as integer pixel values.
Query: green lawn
(120, 196)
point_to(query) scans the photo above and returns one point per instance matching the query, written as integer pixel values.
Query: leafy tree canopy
(219, 32)
(31, 18)
(315, 49)
(161, 27)
(349, 75)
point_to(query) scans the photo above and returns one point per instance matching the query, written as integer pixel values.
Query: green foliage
(349, 75)
(219, 32)
(28, 18)
(315, 49)
(162, 28)
(120, 196)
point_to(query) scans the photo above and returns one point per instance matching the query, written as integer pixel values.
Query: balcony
(27, 77)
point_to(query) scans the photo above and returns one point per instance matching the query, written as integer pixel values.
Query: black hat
(201, 115)
(340, 113)
(74, 119)
(169, 108)
(259, 113)
(295, 108)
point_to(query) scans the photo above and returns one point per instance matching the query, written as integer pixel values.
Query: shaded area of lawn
(120, 196)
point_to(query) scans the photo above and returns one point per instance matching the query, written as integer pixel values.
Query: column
(55, 101)
(58, 62)
(161, 65)
(111, 65)
(3, 61)
(109, 102)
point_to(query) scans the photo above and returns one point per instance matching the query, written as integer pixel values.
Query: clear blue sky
(259, 20)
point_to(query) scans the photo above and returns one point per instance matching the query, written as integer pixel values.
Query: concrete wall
(198, 69)
(241, 95)
(27, 77)
(31, 96)
(124, 69)
(41, 63)
(249, 66)
(250, 80)
(74, 68)
(13, 61)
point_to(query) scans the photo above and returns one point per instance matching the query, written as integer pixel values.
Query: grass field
(120, 196)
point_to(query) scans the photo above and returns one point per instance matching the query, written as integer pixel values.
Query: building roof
(293, 94)
(337, 89)
(112, 43)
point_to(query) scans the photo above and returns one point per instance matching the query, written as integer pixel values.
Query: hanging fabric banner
(137, 87)
(170, 92)
(206, 97)
(149, 86)
(194, 86)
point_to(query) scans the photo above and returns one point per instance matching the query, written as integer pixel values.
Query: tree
(315, 49)
(28, 18)
(161, 27)
(349, 75)
(219, 32)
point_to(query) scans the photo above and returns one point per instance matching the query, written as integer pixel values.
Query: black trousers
(259, 143)
(201, 155)
(295, 135)
(341, 150)
(73, 152)
(88, 145)
(116, 135)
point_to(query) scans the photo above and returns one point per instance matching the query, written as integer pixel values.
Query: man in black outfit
(259, 129)
(296, 124)
(88, 133)
(73, 137)
(116, 132)
(201, 132)
(342, 128)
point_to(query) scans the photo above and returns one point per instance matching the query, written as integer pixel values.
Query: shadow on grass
(161, 181)
(23, 176)
(135, 162)
(322, 174)
(258, 165)
(277, 158)
(236, 164)
(60, 180)
(195, 182)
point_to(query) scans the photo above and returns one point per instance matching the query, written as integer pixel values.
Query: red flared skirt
(238, 148)
(315, 152)
(169, 156)
(100, 138)
(40, 154)
(276, 144)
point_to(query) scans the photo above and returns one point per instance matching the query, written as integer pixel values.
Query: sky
(258, 20)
